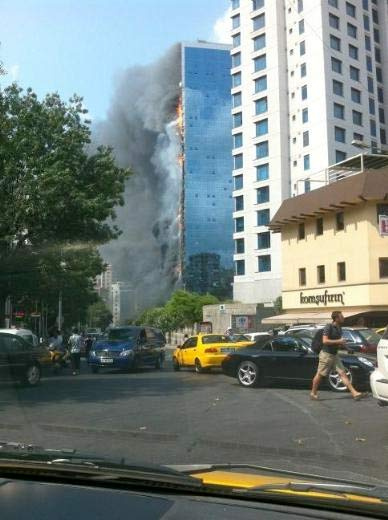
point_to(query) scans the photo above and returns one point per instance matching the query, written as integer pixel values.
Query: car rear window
(123, 334)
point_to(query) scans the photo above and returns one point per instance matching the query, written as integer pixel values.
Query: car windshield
(190, 191)
(123, 334)
(369, 335)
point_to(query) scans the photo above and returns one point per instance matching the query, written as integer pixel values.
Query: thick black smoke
(140, 126)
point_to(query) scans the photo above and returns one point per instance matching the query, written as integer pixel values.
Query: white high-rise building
(309, 78)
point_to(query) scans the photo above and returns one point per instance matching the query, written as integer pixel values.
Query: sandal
(360, 396)
(314, 397)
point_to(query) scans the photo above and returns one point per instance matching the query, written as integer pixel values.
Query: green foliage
(58, 202)
(182, 309)
(99, 315)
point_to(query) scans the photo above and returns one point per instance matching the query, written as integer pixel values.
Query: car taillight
(211, 350)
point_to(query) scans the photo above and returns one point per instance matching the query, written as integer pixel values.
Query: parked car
(205, 351)
(253, 336)
(128, 348)
(290, 359)
(379, 377)
(381, 331)
(26, 334)
(358, 339)
(19, 360)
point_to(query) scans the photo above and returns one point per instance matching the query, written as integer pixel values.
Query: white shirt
(75, 343)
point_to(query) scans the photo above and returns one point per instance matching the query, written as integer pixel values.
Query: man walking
(75, 351)
(332, 341)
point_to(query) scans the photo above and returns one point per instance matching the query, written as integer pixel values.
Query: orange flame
(179, 113)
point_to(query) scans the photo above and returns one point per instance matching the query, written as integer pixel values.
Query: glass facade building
(207, 144)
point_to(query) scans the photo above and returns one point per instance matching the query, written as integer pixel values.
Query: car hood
(115, 345)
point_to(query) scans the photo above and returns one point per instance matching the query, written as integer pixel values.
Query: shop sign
(323, 298)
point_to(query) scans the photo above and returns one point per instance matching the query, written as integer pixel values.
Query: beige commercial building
(335, 249)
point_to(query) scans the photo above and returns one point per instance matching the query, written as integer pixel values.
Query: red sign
(383, 225)
(19, 314)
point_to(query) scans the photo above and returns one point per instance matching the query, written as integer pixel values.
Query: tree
(99, 315)
(58, 201)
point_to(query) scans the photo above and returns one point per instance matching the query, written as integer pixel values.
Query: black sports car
(292, 360)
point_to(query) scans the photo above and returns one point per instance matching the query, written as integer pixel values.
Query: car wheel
(382, 403)
(248, 374)
(176, 366)
(95, 370)
(335, 382)
(198, 367)
(32, 375)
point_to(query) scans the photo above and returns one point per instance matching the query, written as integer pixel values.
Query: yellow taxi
(380, 331)
(206, 351)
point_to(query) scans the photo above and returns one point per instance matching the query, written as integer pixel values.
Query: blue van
(128, 348)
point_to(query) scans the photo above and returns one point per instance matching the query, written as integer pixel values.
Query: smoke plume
(141, 127)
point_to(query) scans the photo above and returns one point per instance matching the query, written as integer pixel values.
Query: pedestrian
(75, 351)
(88, 345)
(329, 359)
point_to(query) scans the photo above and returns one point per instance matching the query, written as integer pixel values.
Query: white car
(379, 377)
(253, 336)
(26, 334)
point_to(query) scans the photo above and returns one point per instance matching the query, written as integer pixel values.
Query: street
(168, 417)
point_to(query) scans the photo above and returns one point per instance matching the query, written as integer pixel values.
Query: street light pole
(60, 316)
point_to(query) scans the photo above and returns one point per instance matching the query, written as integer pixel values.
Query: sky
(80, 46)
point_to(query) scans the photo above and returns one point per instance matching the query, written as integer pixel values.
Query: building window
(305, 115)
(259, 22)
(357, 117)
(306, 138)
(260, 63)
(236, 21)
(239, 224)
(301, 231)
(264, 240)
(338, 88)
(369, 65)
(263, 217)
(368, 45)
(321, 274)
(339, 111)
(339, 156)
(336, 65)
(264, 263)
(354, 73)
(239, 203)
(238, 161)
(237, 120)
(358, 137)
(236, 59)
(307, 185)
(383, 136)
(259, 42)
(383, 267)
(339, 221)
(262, 150)
(262, 172)
(351, 9)
(237, 140)
(301, 26)
(238, 182)
(236, 100)
(375, 16)
(260, 84)
(302, 276)
(373, 130)
(302, 48)
(257, 4)
(366, 22)
(352, 30)
(303, 70)
(236, 79)
(262, 127)
(304, 92)
(380, 95)
(370, 85)
(333, 3)
(335, 43)
(235, 4)
(300, 6)
(239, 267)
(379, 74)
(381, 115)
(261, 106)
(236, 40)
(341, 271)
(262, 195)
(372, 106)
(376, 35)
(377, 55)
(334, 21)
(340, 134)
(239, 246)
(355, 95)
(353, 52)
(319, 226)
(306, 162)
